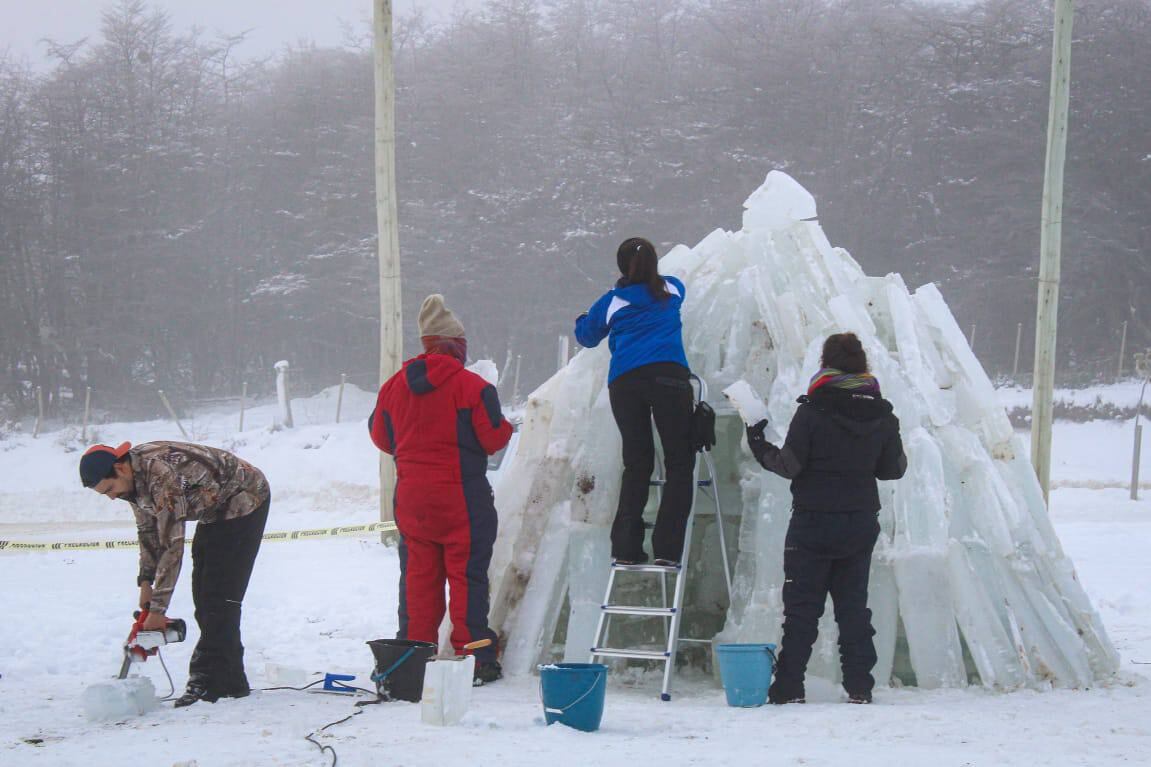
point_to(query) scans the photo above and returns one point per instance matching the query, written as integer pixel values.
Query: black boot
(487, 672)
(196, 692)
(780, 694)
(236, 691)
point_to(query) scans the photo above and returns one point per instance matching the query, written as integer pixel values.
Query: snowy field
(313, 604)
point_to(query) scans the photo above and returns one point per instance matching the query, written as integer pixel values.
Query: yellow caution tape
(347, 531)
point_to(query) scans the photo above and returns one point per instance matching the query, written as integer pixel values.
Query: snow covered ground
(313, 604)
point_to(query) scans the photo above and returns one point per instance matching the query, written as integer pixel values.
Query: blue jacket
(640, 329)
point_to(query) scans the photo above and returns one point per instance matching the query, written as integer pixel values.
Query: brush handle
(477, 644)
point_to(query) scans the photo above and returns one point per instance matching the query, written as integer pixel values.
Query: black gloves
(755, 437)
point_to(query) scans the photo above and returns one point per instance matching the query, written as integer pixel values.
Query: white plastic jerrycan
(447, 689)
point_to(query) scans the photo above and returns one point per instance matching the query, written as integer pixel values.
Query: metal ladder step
(639, 654)
(647, 568)
(628, 610)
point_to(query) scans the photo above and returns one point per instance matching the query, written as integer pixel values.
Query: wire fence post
(39, 412)
(171, 412)
(87, 411)
(516, 380)
(1135, 461)
(562, 356)
(243, 401)
(1018, 342)
(282, 393)
(1143, 370)
(1122, 351)
(505, 374)
(340, 396)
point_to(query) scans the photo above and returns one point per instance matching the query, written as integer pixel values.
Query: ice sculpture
(969, 582)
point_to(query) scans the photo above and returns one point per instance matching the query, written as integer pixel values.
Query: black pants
(223, 554)
(827, 553)
(661, 391)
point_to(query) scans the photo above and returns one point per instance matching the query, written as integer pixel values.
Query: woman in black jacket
(843, 437)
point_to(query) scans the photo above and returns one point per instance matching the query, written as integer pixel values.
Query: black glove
(755, 437)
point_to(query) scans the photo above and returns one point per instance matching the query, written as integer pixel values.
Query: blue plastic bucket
(573, 694)
(746, 672)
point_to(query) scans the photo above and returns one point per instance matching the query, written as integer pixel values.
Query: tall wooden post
(391, 336)
(340, 396)
(1122, 352)
(87, 412)
(243, 403)
(1047, 313)
(1018, 342)
(516, 381)
(39, 412)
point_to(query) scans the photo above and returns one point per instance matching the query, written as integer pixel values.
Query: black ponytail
(639, 265)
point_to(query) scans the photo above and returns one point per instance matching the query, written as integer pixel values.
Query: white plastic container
(447, 690)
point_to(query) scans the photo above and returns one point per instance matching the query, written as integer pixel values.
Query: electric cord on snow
(310, 737)
(171, 685)
(321, 746)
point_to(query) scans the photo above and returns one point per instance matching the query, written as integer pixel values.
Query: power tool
(140, 644)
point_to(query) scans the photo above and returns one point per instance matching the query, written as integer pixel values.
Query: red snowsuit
(441, 422)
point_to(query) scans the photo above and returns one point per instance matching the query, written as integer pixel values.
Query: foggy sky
(275, 23)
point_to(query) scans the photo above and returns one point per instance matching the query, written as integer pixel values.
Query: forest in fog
(175, 214)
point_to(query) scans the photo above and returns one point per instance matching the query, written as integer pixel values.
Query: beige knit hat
(438, 320)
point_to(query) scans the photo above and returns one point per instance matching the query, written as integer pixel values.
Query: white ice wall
(966, 554)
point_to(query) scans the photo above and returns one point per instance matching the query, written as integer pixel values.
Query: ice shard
(969, 583)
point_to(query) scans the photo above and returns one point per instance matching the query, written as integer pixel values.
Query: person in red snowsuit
(441, 422)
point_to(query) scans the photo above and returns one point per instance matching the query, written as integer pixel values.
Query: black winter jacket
(838, 444)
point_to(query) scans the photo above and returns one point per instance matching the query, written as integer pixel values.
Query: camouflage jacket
(177, 482)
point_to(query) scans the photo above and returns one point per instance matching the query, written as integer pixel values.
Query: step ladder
(672, 612)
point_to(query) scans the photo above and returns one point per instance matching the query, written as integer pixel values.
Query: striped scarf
(864, 383)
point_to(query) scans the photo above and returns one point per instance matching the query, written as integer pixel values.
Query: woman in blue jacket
(648, 379)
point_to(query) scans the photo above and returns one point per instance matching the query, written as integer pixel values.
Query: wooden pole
(39, 412)
(505, 372)
(1047, 312)
(1018, 342)
(172, 412)
(516, 380)
(340, 396)
(391, 336)
(87, 412)
(1135, 457)
(1122, 351)
(243, 402)
(1141, 362)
